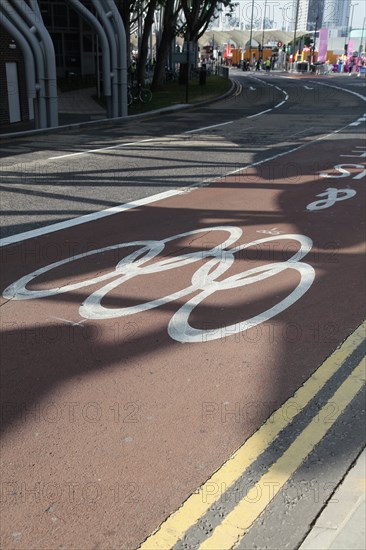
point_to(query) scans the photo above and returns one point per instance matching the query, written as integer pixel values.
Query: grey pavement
(80, 101)
(341, 525)
(73, 107)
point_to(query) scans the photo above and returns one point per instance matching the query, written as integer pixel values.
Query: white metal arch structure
(20, 27)
(33, 18)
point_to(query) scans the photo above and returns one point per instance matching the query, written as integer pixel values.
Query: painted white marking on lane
(343, 90)
(342, 172)
(332, 195)
(204, 281)
(276, 106)
(259, 114)
(358, 122)
(19, 237)
(307, 88)
(208, 127)
(92, 217)
(239, 90)
(101, 149)
(252, 89)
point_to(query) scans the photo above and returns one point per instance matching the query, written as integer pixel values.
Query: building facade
(45, 41)
(13, 99)
(336, 13)
(310, 14)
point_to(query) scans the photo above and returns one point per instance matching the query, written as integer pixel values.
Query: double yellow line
(234, 526)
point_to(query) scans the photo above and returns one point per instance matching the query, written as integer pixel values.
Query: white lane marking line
(252, 89)
(89, 151)
(278, 104)
(342, 89)
(91, 217)
(358, 122)
(208, 127)
(259, 114)
(147, 200)
(307, 88)
(239, 90)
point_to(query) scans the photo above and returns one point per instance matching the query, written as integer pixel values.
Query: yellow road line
(238, 522)
(168, 534)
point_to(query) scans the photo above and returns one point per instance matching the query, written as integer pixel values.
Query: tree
(171, 11)
(144, 46)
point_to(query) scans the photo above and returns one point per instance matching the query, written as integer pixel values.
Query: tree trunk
(169, 24)
(144, 48)
(161, 58)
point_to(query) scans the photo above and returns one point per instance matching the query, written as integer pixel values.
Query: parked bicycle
(138, 94)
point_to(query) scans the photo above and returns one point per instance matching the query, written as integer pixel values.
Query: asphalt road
(43, 180)
(184, 366)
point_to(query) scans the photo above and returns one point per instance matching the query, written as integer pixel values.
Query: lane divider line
(176, 525)
(19, 237)
(101, 149)
(360, 96)
(278, 104)
(13, 239)
(261, 113)
(234, 527)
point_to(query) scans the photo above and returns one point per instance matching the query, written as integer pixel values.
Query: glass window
(87, 43)
(73, 19)
(60, 15)
(72, 43)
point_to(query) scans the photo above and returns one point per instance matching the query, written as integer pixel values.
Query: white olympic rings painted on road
(204, 281)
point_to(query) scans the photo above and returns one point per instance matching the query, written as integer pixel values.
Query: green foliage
(172, 93)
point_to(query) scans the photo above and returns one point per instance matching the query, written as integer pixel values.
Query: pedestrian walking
(268, 66)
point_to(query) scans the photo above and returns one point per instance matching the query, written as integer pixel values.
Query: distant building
(336, 13)
(310, 14)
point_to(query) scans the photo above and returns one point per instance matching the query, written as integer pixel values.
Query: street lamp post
(296, 23)
(349, 27)
(264, 22)
(251, 33)
(362, 35)
(315, 29)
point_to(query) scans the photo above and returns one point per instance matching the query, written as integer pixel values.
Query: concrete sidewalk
(341, 525)
(80, 102)
(73, 107)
